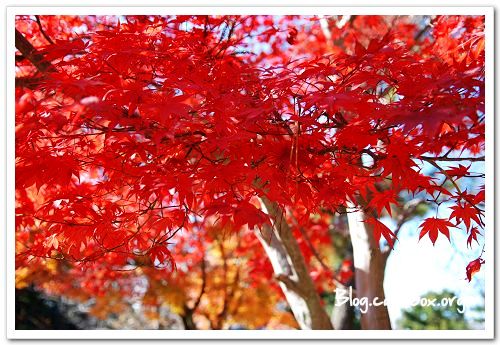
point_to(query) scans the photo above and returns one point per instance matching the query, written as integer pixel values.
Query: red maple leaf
(473, 236)
(381, 200)
(246, 213)
(161, 257)
(434, 226)
(479, 198)
(459, 171)
(379, 229)
(465, 213)
(473, 267)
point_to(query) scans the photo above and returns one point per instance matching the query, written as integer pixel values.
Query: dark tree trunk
(187, 320)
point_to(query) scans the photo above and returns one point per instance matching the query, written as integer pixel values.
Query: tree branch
(203, 283)
(47, 37)
(453, 159)
(28, 82)
(34, 56)
(407, 213)
(291, 284)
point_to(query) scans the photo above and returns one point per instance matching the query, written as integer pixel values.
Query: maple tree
(137, 136)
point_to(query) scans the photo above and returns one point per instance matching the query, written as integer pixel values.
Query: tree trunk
(342, 313)
(291, 271)
(187, 320)
(369, 265)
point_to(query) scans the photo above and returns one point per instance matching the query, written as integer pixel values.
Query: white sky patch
(417, 267)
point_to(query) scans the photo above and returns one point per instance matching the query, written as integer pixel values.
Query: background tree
(437, 316)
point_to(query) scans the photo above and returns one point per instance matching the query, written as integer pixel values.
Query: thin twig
(42, 31)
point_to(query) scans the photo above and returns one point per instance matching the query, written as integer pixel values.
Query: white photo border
(63, 8)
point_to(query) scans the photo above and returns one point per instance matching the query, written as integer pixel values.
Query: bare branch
(453, 159)
(34, 56)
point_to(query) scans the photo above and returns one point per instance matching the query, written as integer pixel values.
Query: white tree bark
(369, 265)
(291, 271)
